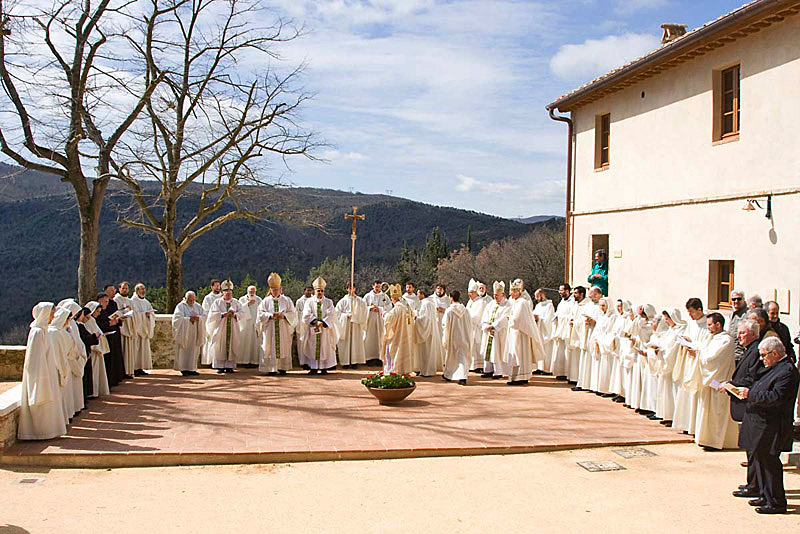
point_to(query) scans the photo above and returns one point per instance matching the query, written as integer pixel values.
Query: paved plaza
(166, 419)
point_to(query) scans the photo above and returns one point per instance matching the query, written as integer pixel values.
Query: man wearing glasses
(739, 305)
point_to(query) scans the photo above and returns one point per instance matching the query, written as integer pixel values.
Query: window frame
(602, 141)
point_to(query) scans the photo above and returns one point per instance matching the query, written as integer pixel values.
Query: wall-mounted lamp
(752, 203)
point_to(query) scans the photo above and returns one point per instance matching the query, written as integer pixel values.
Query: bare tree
(220, 110)
(68, 101)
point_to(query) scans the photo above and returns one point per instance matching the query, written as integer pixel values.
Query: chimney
(672, 32)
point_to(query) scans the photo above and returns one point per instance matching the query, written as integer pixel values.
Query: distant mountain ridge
(39, 238)
(536, 219)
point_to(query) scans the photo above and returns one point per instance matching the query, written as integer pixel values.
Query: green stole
(277, 331)
(319, 334)
(227, 332)
(491, 336)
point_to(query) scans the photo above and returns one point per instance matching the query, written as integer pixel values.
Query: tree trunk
(87, 262)
(174, 278)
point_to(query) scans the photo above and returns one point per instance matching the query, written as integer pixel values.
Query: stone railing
(12, 359)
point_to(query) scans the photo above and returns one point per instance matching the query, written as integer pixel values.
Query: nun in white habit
(188, 334)
(41, 414)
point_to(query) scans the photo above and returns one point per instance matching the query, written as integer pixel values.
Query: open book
(730, 388)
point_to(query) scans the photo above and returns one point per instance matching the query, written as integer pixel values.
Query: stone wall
(161, 344)
(12, 359)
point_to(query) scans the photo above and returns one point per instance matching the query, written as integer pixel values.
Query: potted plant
(391, 388)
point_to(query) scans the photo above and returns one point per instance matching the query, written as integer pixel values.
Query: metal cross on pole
(354, 217)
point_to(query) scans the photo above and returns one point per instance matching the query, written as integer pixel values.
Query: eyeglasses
(734, 299)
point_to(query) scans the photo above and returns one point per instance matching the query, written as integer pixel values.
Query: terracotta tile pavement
(243, 413)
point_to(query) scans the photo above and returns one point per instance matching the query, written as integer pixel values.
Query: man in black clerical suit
(115, 365)
(768, 423)
(748, 369)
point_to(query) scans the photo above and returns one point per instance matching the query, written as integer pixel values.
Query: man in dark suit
(767, 425)
(748, 370)
(773, 311)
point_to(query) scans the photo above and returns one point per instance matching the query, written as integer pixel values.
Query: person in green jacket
(599, 276)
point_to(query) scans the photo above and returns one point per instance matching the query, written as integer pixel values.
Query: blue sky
(443, 101)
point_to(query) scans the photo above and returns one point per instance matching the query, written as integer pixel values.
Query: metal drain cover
(30, 481)
(634, 453)
(596, 467)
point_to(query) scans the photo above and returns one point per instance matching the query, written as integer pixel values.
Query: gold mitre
(319, 283)
(274, 281)
(395, 291)
(498, 287)
(517, 285)
(226, 285)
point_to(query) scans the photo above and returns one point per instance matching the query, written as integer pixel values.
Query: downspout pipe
(568, 210)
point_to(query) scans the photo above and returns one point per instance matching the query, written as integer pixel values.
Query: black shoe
(220, 371)
(281, 372)
(306, 367)
(417, 373)
(561, 377)
(312, 371)
(324, 372)
(186, 373)
(545, 373)
(446, 379)
(139, 372)
(462, 382)
(497, 377)
(477, 371)
(572, 382)
(538, 372)
(576, 388)
(354, 366)
(229, 370)
(486, 375)
(272, 373)
(761, 501)
(746, 493)
(770, 510)
(654, 417)
(128, 377)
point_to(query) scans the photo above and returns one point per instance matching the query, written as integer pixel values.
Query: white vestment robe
(399, 342)
(300, 328)
(714, 427)
(522, 331)
(188, 337)
(378, 305)
(225, 351)
(648, 364)
(665, 365)
(208, 300)
(428, 328)
(640, 335)
(251, 344)
(577, 340)
(544, 312)
(276, 336)
(561, 332)
(589, 311)
(685, 373)
(41, 412)
(600, 351)
(144, 324)
(62, 345)
(321, 342)
(77, 363)
(412, 300)
(457, 338)
(440, 302)
(353, 314)
(126, 331)
(494, 346)
(99, 375)
(619, 344)
(476, 307)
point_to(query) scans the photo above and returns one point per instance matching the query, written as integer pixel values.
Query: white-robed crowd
(660, 364)
(78, 352)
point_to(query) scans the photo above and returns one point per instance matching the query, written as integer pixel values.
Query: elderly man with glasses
(739, 305)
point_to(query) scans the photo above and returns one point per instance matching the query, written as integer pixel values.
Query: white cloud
(629, 7)
(597, 56)
(335, 155)
(467, 184)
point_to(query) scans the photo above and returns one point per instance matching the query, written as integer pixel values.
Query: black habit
(115, 365)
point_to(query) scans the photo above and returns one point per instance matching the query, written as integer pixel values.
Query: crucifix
(355, 217)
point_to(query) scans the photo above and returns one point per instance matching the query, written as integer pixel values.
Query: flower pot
(391, 396)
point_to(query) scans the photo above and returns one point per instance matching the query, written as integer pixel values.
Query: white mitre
(473, 285)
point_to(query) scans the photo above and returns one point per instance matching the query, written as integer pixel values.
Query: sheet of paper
(733, 390)
(687, 344)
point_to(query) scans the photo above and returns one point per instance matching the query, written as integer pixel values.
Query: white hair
(137, 286)
(755, 299)
(250, 287)
(595, 289)
(751, 326)
(772, 343)
(192, 293)
(737, 292)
